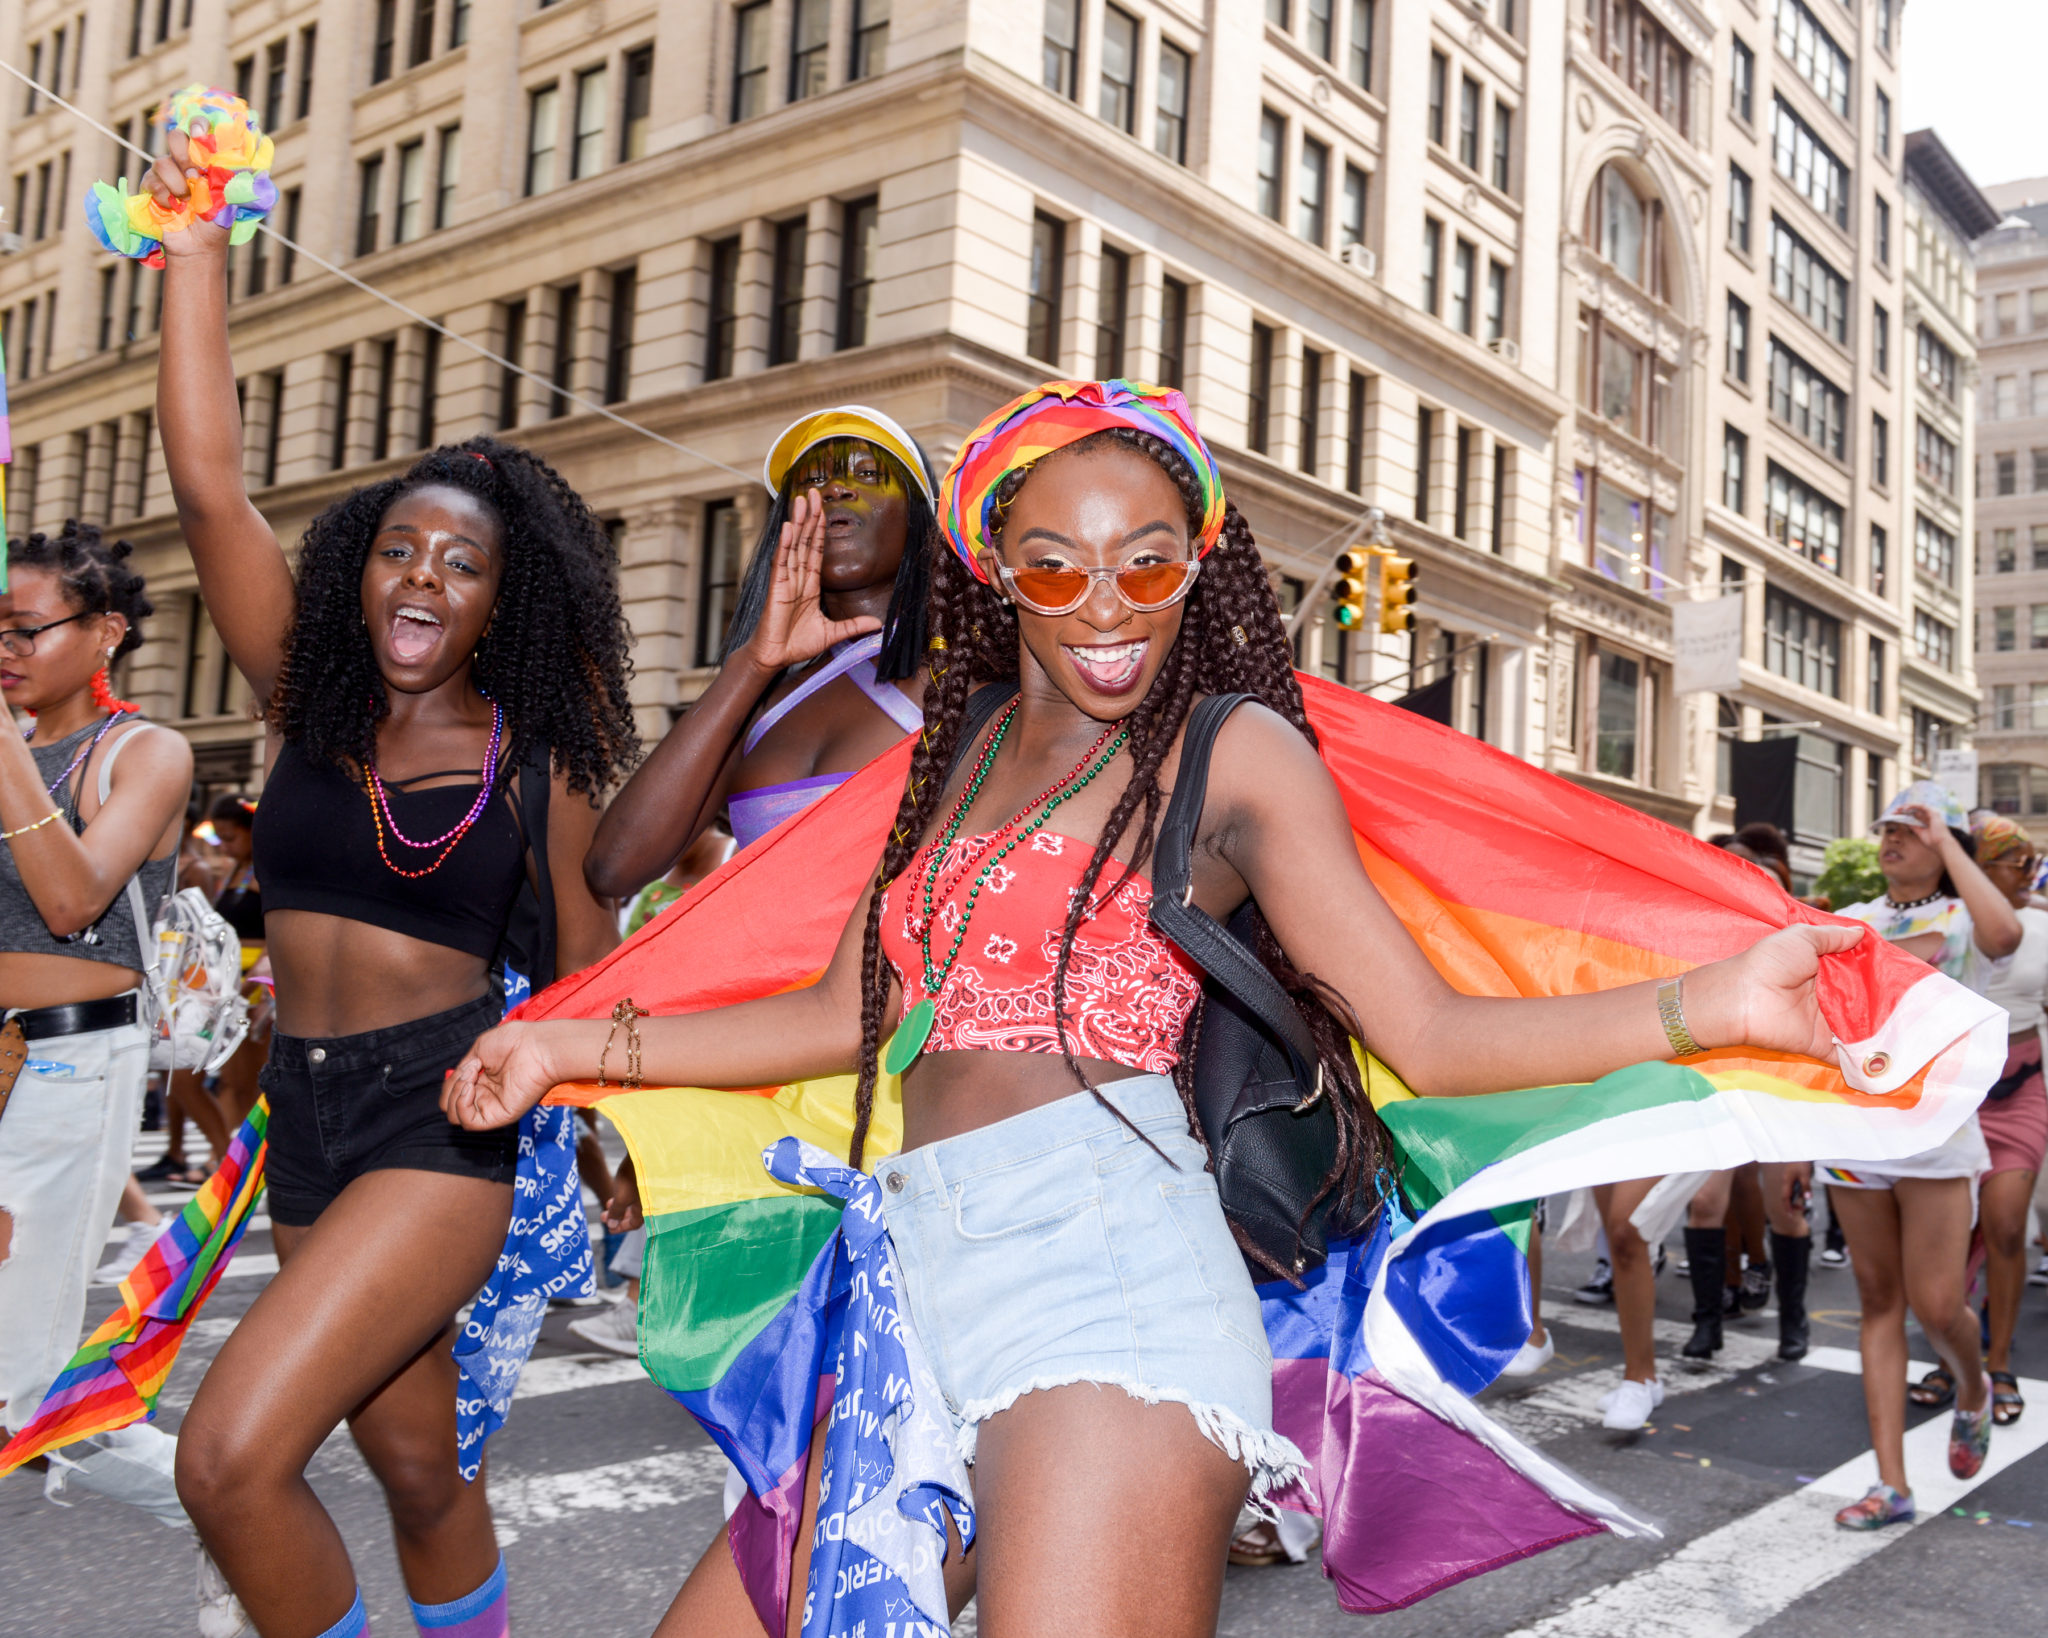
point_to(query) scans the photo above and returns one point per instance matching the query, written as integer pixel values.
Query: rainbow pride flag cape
(1515, 882)
(115, 1378)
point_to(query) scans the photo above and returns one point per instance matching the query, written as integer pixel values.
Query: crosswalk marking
(568, 1373)
(529, 1501)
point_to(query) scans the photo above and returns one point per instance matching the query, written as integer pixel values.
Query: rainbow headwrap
(1026, 430)
(233, 188)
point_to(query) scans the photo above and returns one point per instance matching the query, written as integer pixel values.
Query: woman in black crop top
(453, 644)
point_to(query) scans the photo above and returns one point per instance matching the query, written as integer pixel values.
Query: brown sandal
(2006, 1403)
(1259, 1547)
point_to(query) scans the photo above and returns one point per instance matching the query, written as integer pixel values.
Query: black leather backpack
(1259, 1085)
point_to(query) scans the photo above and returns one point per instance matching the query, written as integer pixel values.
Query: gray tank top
(113, 939)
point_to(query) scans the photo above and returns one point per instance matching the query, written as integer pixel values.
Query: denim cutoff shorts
(350, 1104)
(1056, 1247)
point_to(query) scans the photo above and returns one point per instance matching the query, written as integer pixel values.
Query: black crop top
(315, 849)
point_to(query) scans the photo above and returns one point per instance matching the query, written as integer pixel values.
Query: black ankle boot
(1790, 1257)
(1707, 1251)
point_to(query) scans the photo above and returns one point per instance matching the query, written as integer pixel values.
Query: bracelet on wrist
(48, 818)
(1671, 1013)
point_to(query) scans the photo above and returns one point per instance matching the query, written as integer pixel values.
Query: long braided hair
(1231, 641)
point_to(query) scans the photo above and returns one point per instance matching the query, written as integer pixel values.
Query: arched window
(1628, 231)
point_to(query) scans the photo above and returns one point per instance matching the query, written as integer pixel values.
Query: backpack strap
(1199, 936)
(982, 705)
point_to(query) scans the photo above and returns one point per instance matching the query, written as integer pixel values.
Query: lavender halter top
(755, 813)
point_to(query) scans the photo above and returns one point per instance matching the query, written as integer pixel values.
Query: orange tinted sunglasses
(1145, 587)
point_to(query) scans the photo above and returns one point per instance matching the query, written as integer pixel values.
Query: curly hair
(93, 571)
(903, 627)
(1231, 641)
(554, 654)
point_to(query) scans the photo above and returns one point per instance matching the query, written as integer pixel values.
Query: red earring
(103, 694)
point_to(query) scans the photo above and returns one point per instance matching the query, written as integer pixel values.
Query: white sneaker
(1629, 1406)
(2040, 1274)
(1532, 1357)
(220, 1612)
(616, 1329)
(132, 1248)
(132, 1464)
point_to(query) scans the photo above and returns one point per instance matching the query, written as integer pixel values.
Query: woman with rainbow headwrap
(1042, 1281)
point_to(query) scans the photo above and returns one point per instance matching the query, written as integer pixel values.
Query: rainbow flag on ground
(115, 1378)
(1515, 882)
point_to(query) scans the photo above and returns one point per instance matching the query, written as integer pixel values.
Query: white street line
(248, 1264)
(566, 1373)
(528, 1502)
(1730, 1581)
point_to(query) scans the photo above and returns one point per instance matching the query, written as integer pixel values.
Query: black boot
(1791, 1256)
(1707, 1251)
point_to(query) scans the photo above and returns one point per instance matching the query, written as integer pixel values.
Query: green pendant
(909, 1039)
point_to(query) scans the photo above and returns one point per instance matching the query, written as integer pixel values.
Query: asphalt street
(605, 1492)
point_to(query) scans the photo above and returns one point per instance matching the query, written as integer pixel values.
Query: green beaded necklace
(907, 1043)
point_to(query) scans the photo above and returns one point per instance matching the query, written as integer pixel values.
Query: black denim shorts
(352, 1104)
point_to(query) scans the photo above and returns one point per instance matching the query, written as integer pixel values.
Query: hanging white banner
(1708, 639)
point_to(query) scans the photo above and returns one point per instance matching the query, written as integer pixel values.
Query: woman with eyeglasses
(92, 800)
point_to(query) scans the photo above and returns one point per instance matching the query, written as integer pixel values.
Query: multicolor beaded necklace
(381, 815)
(916, 1026)
(85, 751)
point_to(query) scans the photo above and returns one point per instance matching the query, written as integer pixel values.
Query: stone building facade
(1332, 222)
(2011, 479)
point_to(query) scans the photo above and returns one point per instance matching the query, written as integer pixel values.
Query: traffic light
(1397, 592)
(1353, 587)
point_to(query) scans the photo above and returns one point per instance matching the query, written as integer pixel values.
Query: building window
(1439, 92)
(412, 183)
(1062, 40)
(1934, 551)
(1937, 363)
(1351, 222)
(1740, 196)
(2004, 630)
(1617, 715)
(1737, 361)
(1734, 470)
(1354, 438)
(1806, 284)
(422, 46)
(1812, 50)
(2005, 473)
(309, 39)
(618, 346)
(1880, 558)
(1048, 269)
(2040, 459)
(1884, 125)
(593, 97)
(810, 28)
(1312, 363)
(1463, 271)
(562, 368)
(514, 344)
(1170, 118)
(1741, 80)
(1468, 123)
(1880, 338)
(1883, 235)
(1321, 30)
(369, 204)
(1809, 164)
(384, 41)
(718, 586)
(1802, 519)
(858, 234)
(2037, 626)
(637, 113)
(1503, 146)
(1258, 413)
(1934, 457)
(1358, 47)
(1621, 382)
(786, 298)
(1173, 333)
(543, 116)
(1934, 640)
(1876, 684)
(1801, 644)
(870, 38)
(2038, 537)
(1496, 301)
(1312, 202)
(1646, 57)
(1930, 734)
(447, 176)
(750, 61)
(1432, 264)
(274, 82)
(1272, 151)
(1880, 451)
(1112, 302)
(2005, 552)
(1624, 538)
(1629, 231)
(1806, 401)
(1117, 99)
(722, 322)
(287, 258)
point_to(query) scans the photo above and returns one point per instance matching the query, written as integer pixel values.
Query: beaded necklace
(90, 746)
(907, 1043)
(381, 815)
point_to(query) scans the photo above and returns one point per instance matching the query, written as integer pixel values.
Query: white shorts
(1964, 1155)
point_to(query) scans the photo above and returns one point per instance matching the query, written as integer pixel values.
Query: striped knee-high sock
(355, 1624)
(480, 1614)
